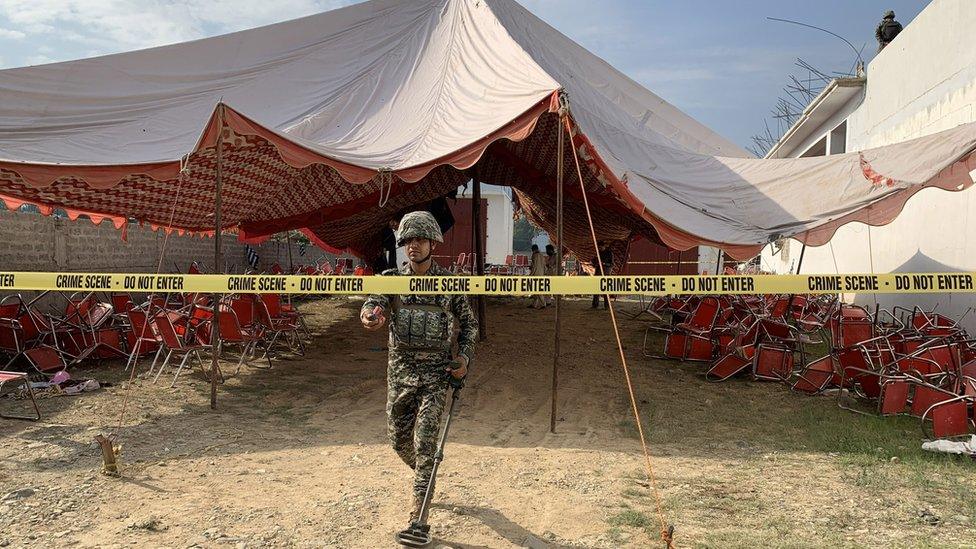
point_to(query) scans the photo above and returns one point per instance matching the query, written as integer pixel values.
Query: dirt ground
(297, 455)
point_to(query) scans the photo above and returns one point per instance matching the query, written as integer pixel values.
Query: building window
(838, 139)
(817, 149)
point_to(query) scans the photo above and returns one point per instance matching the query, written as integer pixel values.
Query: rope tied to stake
(109, 445)
(667, 530)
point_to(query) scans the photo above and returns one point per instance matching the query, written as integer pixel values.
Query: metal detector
(418, 533)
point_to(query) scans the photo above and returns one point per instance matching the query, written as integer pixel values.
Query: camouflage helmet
(889, 15)
(418, 225)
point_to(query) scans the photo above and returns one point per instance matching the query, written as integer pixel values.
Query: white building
(922, 83)
(501, 223)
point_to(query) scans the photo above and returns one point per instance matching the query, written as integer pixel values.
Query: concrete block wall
(33, 242)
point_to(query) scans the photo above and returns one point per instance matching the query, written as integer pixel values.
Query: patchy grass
(772, 468)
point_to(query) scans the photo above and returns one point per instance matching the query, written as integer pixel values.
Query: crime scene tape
(894, 283)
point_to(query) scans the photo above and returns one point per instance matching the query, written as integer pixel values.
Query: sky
(721, 61)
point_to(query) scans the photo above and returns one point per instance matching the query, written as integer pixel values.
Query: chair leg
(271, 344)
(240, 362)
(304, 327)
(152, 367)
(37, 411)
(11, 361)
(186, 356)
(163, 365)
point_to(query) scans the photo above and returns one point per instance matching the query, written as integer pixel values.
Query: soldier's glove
(455, 382)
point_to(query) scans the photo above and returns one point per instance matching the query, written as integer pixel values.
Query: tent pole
(718, 260)
(291, 265)
(559, 272)
(799, 264)
(218, 259)
(677, 267)
(479, 257)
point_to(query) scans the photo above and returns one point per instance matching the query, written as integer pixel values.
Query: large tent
(338, 122)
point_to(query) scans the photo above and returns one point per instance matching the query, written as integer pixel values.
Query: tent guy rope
(667, 530)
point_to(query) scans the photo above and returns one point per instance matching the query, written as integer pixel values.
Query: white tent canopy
(419, 90)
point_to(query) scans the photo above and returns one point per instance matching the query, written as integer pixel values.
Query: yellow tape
(905, 283)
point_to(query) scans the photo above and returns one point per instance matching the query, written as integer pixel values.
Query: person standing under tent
(552, 267)
(387, 256)
(537, 267)
(605, 258)
(421, 351)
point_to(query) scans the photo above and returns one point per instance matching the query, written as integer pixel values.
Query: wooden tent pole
(218, 259)
(291, 265)
(479, 257)
(799, 264)
(559, 272)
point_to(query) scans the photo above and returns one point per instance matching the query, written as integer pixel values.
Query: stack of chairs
(900, 362)
(93, 326)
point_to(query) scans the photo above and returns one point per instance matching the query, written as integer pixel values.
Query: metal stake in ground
(418, 533)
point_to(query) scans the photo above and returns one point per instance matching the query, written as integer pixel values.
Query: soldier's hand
(372, 320)
(461, 370)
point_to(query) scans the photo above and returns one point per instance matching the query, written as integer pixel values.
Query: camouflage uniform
(887, 30)
(421, 330)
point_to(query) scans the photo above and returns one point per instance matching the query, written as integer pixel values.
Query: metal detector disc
(415, 536)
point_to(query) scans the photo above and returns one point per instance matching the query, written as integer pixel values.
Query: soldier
(887, 30)
(421, 350)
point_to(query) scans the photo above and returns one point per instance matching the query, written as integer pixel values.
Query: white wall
(707, 259)
(501, 226)
(922, 83)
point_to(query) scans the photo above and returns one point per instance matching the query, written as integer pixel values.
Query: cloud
(39, 59)
(106, 26)
(11, 34)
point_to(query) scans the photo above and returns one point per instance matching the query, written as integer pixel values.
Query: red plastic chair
(814, 378)
(727, 366)
(232, 333)
(143, 338)
(243, 307)
(276, 327)
(45, 360)
(18, 330)
(174, 344)
(15, 379)
(703, 320)
(772, 363)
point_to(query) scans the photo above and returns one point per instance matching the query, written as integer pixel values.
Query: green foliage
(523, 234)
